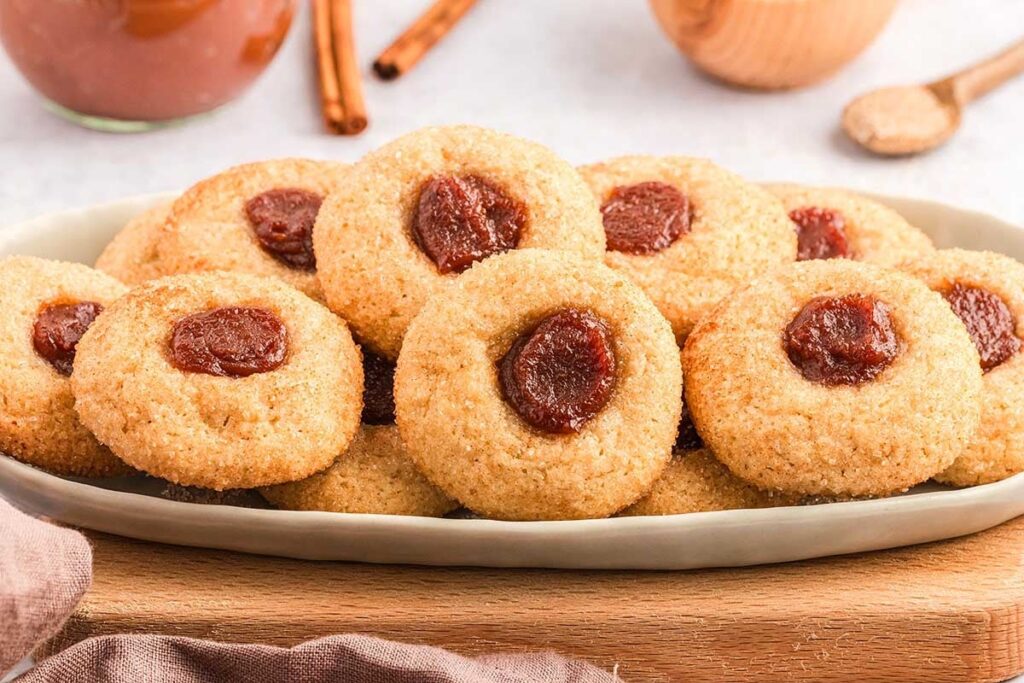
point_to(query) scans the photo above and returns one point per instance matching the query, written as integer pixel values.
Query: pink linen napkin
(349, 658)
(45, 570)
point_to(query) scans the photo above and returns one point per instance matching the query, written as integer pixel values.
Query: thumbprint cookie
(833, 223)
(221, 381)
(375, 475)
(833, 378)
(132, 256)
(695, 481)
(986, 291)
(687, 231)
(255, 218)
(48, 306)
(419, 211)
(541, 386)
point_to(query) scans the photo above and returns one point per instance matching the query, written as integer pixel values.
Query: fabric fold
(44, 571)
(349, 658)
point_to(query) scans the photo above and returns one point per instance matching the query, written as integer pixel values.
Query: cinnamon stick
(341, 89)
(416, 40)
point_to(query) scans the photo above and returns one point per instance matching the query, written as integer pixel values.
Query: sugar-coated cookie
(695, 481)
(832, 223)
(417, 212)
(375, 474)
(48, 305)
(255, 218)
(132, 256)
(986, 291)
(687, 231)
(541, 386)
(833, 378)
(220, 380)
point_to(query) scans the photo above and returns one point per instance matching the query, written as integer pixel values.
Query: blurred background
(590, 78)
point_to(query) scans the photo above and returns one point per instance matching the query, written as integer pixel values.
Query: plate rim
(951, 497)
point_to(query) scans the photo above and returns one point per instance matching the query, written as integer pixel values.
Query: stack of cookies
(463, 320)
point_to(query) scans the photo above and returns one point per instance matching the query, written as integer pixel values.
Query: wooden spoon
(917, 118)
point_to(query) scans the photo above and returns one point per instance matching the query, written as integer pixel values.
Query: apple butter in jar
(128, 65)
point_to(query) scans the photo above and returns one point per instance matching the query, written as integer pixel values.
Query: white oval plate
(707, 539)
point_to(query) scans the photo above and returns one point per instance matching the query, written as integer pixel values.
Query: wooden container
(772, 44)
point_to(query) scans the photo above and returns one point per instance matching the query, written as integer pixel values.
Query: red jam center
(645, 218)
(821, 233)
(561, 373)
(229, 342)
(842, 340)
(58, 328)
(378, 390)
(988, 321)
(282, 220)
(687, 439)
(463, 219)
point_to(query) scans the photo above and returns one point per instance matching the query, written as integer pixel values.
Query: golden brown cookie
(687, 231)
(132, 256)
(987, 291)
(695, 481)
(47, 307)
(374, 476)
(541, 386)
(255, 218)
(833, 378)
(414, 214)
(220, 380)
(834, 223)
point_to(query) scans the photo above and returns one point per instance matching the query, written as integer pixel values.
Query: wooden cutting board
(948, 611)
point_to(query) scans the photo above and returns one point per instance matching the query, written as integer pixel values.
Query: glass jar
(127, 65)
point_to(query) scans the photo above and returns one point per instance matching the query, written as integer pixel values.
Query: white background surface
(590, 78)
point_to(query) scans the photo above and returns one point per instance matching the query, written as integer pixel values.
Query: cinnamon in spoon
(914, 119)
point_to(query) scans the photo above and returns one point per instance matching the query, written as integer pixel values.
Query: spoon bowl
(903, 120)
(913, 119)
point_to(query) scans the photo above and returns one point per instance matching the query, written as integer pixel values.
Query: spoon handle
(974, 81)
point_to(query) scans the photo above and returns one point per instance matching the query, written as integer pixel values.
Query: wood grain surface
(774, 44)
(949, 611)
